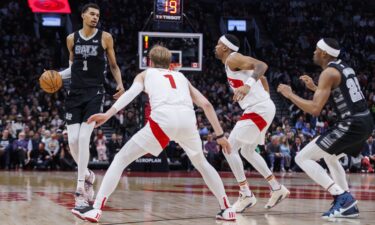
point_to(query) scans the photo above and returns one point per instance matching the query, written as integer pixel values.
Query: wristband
(250, 82)
(220, 136)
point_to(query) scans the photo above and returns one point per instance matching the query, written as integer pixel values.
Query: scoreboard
(168, 10)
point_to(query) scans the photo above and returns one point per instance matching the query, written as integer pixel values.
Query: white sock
(306, 159)
(337, 171)
(275, 185)
(80, 184)
(244, 188)
(335, 189)
(130, 152)
(84, 151)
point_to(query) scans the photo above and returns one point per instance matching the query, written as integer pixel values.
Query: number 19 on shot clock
(168, 10)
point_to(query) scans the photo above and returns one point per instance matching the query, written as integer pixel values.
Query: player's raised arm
(108, 42)
(327, 80)
(136, 88)
(264, 81)
(209, 111)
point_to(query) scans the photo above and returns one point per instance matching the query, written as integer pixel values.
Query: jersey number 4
(171, 80)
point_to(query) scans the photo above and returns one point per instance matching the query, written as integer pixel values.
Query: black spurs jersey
(347, 98)
(89, 62)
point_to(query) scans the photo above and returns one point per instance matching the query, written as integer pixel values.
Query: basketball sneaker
(343, 206)
(277, 196)
(89, 213)
(243, 202)
(228, 214)
(89, 186)
(81, 201)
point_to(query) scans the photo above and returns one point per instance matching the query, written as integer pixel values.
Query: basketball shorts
(347, 136)
(80, 104)
(254, 123)
(164, 125)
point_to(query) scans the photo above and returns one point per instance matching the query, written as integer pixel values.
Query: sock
(275, 185)
(244, 188)
(335, 189)
(80, 184)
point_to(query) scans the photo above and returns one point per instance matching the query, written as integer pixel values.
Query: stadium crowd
(32, 126)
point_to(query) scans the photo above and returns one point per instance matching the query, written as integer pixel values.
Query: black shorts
(80, 104)
(347, 136)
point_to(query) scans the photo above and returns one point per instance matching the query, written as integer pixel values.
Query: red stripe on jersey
(162, 138)
(235, 83)
(257, 119)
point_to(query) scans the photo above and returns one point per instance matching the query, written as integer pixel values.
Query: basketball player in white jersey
(172, 118)
(245, 76)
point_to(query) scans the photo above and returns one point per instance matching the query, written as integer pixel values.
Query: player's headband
(229, 44)
(331, 51)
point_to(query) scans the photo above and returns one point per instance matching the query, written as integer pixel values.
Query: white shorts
(172, 123)
(254, 123)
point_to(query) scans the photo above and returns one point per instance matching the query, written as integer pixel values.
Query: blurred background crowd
(32, 125)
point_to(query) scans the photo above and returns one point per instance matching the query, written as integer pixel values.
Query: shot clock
(168, 10)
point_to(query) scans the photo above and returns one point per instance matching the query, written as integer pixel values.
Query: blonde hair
(160, 56)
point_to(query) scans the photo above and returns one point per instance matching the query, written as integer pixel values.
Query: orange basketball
(50, 81)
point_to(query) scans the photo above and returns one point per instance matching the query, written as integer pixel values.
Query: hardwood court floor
(180, 198)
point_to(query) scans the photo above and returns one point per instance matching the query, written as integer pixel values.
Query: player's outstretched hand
(224, 144)
(285, 90)
(98, 118)
(308, 82)
(120, 90)
(240, 93)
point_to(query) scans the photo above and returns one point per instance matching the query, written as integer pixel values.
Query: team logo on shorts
(68, 116)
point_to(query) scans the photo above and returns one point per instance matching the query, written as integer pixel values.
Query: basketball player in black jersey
(338, 83)
(89, 48)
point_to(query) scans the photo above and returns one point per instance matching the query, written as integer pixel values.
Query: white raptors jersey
(257, 92)
(165, 87)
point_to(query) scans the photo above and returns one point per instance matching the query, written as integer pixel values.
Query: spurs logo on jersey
(89, 61)
(86, 50)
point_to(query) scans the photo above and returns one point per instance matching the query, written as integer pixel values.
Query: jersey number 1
(84, 65)
(171, 80)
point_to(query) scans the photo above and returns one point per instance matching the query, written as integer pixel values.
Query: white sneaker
(81, 201)
(243, 202)
(89, 186)
(90, 214)
(228, 214)
(277, 196)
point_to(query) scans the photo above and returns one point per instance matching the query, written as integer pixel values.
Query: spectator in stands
(368, 155)
(296, 148)
(101, 148)
(113, 147)
(285, 153)
(39, 158)
(52, 146)
(66, 160)
(273, 151)
(211, 150)
(20, 149)
(5, 149)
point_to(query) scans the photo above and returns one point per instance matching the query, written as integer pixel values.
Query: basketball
(50, 81)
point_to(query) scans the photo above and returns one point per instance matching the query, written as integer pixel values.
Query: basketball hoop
(175, 66)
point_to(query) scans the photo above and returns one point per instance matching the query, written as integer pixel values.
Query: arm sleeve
(128, 96)
(66, 74)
